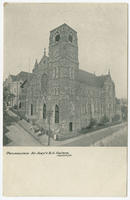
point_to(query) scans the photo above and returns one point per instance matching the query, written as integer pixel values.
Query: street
(20, 137)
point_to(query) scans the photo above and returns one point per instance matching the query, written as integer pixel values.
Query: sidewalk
(90, 138)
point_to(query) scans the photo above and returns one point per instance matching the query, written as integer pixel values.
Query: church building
(63, 95)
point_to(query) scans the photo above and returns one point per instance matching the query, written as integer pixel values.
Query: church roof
(91, 79)
(64, 26)
(26, 82)
(43, 59)
(102, 79)
(23, 76)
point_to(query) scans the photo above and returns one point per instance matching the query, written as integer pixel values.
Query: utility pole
(17, 98)
(17, 95)
(49, 129)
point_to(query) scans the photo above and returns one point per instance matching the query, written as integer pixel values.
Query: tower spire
(109, 71)
(44, 51)
(36, 63)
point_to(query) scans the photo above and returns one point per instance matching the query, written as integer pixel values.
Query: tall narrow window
(44, 83)
(31, 109)
(70, 38)
(44, 111)
(57, 38)
(20, 105)
(56, 114)
(70, 126)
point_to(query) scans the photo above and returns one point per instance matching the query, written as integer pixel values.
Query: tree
(116, 118)
(92, 123)
(7, 97)
(104, 120)
(124, 112)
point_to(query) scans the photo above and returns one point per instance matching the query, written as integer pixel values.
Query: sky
(101, 29)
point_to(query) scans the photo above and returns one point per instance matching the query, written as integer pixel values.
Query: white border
(1, 91)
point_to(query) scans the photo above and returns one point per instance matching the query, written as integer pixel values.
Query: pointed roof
(65, 25)
(44, 57)
(87, 78)
(36, 63)
(44, 51)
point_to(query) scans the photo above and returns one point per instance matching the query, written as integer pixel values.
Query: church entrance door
(70, 126)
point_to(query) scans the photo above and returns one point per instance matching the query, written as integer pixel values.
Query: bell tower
(63, 43)
(63, 58)
(63, 73)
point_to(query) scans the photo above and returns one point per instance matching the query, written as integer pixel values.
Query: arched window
(56, 114)
(70, 38)
(55, 73)
(31, 109)
(20, 105)
(57, 38)
(44, 83)
(44, 111)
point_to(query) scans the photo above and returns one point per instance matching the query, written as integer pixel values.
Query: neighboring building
(124, 109)
(73, 97)
(14, 82)
(118, 109)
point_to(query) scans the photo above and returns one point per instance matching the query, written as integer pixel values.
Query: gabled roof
(87, 78)
(91, 79)
(23, 76)
(43, 59)
(65, 25)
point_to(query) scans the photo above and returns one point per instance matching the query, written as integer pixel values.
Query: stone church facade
(60, 91)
